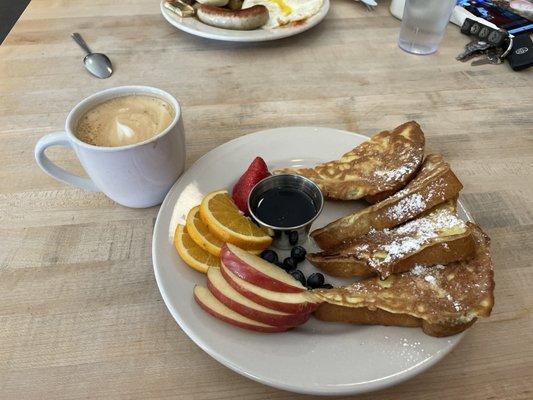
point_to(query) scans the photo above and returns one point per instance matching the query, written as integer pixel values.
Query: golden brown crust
(437, 236)
(334, 313)
(362, 315)
(341, 267)
(454, 249)
(434, 184)
(384, 163)
(376, 198)
(442, 330)
(461, 248)
(446, 299)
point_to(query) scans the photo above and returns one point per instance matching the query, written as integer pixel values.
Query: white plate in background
(195, 27)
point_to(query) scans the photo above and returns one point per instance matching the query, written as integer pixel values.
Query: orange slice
(199, 232)
(224, 220)
(193, 255)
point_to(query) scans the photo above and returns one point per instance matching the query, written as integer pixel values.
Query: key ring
(504, 54)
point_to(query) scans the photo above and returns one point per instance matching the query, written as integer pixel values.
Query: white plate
(193, 26)
(318, 357)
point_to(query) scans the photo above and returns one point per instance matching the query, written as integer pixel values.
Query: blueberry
(326, 286)
(315, 280)
(280, 264)
(289, 264)
(270, 255)
(293, 238)
(298, 275)
(298, 253)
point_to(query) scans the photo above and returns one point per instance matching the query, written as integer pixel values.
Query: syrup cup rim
(284, 178)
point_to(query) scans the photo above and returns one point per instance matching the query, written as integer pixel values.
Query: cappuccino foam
(124, 120)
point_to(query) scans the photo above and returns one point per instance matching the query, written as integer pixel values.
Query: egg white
(283, 12)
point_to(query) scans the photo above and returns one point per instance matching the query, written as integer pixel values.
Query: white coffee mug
(396, 8)
(137, 175)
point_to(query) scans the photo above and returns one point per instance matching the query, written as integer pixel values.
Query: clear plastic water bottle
(423, 25)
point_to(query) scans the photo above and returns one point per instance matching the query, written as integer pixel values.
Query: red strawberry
(257, 171)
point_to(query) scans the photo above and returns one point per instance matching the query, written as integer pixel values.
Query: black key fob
(496, 37)
(521, 55)
(467, 24)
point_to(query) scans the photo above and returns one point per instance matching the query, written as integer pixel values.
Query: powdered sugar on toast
(385, 247)
(451, 294)
(397, 173)
(411, 205)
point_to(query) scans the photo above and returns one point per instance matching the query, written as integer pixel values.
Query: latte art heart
(124, 120)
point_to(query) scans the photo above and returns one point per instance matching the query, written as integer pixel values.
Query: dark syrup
(285, 207)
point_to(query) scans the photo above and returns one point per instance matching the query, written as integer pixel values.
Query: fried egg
(283, 12)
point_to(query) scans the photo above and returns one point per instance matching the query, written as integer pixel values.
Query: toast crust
(435, 183)
(443, 300)
(376, 198)
(385, 163)
(437, 237)
(457, 248)
(364, 316)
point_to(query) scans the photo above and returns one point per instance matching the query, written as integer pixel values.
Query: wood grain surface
(80, 313)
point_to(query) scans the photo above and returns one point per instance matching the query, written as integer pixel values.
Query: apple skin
(219, 313)
(274, 319)
(253, 275)
(304, 307)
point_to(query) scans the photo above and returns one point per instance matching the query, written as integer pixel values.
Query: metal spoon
(96, 63)
(370, 4)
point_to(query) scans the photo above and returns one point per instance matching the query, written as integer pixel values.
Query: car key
(472, 49)
(498, 39)
(493, 56)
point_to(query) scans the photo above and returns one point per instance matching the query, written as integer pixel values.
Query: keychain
(491, 44)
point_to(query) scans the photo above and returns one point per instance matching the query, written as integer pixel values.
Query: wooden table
(80, 313)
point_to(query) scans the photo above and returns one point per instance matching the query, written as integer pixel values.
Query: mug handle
(60, 139)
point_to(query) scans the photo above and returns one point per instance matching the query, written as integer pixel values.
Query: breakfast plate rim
(256, 35)
(162, 225)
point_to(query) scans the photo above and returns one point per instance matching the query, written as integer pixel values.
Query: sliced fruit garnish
(213, 306)
(199, 232)
(302, 302)
(193, 255)
(244, 306)
(223, 218)
(257, 271)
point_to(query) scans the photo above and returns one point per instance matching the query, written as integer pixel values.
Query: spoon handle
(78, 39)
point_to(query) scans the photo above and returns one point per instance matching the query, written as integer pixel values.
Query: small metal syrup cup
(282, 235)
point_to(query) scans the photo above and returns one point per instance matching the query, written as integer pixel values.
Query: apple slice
(255, 270)
(292, 303)
(211, 305)
(244, 306)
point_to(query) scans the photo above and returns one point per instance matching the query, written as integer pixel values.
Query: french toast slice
(434, 183)
(442, 300)
(385, 163)
(376, 198)
(437, 237)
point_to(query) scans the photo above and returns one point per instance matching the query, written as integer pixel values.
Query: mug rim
(120, 91)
